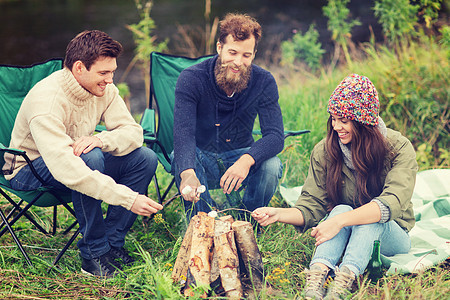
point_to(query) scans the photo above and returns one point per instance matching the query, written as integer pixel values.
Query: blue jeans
(134, 170)
(260, 184)
(355, 243)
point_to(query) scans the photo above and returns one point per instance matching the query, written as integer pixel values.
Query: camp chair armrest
(25, 156)
(149, 138)
(100, 128)
(288, 133)
(12, 150)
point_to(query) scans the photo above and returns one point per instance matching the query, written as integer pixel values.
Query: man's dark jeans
(134, 170)
(260, 184)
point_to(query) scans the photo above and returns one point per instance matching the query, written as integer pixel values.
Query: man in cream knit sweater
(55, 126)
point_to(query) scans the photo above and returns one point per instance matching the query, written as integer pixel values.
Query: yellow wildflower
(159, 219)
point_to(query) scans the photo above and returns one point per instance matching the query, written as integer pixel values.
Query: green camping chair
(158, 133)
(164, 72)
(15, 82)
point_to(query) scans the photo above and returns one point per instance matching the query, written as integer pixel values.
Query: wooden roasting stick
(201, 250)
(246, 243)
(228, 259)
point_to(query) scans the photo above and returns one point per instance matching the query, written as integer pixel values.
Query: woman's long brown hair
(369, 149)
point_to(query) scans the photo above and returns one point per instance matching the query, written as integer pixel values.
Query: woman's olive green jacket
(399, 178)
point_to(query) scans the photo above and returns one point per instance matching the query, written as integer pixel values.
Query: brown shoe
(315, 280)
(341, 286)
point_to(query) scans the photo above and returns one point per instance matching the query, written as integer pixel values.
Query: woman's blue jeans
(260, 184)
(134, 170)
(354, 244)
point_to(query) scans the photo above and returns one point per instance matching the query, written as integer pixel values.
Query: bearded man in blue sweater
(216, 105)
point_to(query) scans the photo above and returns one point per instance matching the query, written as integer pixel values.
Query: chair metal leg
(55, 221)
(61, 201)
(70, 227)
(21, 212)
(16, 240)
(74, 236)
(168, 189)
(158, 191)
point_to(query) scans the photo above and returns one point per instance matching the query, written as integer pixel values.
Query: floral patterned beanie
(355, 98)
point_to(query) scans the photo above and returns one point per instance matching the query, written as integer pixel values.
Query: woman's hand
(265, 215)
(326, 230)
(269, 215)
(367, 214)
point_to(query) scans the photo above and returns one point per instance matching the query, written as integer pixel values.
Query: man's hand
(235, 174)
(145, 206)
(188, 178)
(85, 144)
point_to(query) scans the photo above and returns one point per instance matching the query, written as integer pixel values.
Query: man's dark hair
(88, 46)
(241, 27)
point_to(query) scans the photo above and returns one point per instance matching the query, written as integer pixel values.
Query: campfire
(221, 253)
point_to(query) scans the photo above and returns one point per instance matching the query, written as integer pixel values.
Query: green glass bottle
(374, 267)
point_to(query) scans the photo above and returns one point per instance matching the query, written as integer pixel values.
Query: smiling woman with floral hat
(361, 178)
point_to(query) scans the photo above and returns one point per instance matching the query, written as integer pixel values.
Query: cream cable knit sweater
(55, 113)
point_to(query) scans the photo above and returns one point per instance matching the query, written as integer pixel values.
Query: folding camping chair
(15, 82)
(164, 72)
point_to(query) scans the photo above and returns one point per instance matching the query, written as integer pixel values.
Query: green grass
(413, 81)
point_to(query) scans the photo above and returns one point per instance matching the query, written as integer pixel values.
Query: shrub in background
(429, 11)
(397, 19)
(304, 48)
(413, 87)
(340, 26)
(445, 37)
(145, 42)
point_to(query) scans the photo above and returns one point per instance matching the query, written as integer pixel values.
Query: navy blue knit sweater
(206, 118)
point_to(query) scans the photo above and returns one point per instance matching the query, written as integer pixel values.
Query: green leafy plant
(145, 42)
(427, 160)
(412, 85)
(124, 92)
(340, 26)
(303, 47)
(397, 18)
(429, 11)
(445, 37)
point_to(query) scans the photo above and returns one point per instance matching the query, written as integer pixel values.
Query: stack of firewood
(210, 255)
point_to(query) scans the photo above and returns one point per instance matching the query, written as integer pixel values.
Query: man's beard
(234, 83)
